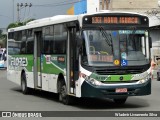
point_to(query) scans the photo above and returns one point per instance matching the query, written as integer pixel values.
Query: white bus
(3, 58)
(101, 55)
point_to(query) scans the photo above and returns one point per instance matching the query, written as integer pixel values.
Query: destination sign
(115, 20)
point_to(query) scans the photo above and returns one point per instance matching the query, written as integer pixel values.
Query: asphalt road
(11, 99)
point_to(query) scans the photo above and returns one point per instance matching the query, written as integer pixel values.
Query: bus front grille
(118, 82)
(118, 72)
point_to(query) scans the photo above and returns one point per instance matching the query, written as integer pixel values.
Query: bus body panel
(136, 84)
(30, 80)
(14, 76)
(89, 90)
(49, 82)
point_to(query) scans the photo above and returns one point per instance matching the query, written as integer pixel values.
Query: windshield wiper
(107, 36)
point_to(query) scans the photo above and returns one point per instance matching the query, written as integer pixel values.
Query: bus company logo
(121, 78)
(17, 61)
(21, 114)
(6, 114)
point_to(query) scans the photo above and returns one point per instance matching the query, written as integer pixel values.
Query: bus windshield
(115, 47)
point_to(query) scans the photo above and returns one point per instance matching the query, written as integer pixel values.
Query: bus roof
(46, 21)
(62, 19)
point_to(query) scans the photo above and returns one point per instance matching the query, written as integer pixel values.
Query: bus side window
(48, 38)
(60, 39)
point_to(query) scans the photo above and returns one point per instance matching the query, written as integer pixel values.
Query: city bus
(105, 55)
(3, 58)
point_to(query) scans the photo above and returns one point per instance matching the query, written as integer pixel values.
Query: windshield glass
(115, 47)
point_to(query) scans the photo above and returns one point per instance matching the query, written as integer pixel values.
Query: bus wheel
(63, 97)
(24, 88)
(158, 78)
(120, 101)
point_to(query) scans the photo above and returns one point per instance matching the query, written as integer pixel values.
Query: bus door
(72, 65)
(37, 59)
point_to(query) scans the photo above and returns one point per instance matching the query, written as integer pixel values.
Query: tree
(13, 25)
(3, 38)
(27, 21)
(18, 24)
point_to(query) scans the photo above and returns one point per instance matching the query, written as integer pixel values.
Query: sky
(39, 9)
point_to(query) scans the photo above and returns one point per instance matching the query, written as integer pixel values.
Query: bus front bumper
(89, 90)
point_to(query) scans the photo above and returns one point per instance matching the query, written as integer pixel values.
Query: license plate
(121, 90)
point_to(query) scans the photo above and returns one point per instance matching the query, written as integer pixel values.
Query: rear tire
(24, 88)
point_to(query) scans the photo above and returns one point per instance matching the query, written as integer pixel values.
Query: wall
(134, 4)
(155, 50)
(84, 6)
(92, 6)
(80, 7)
(70, 11)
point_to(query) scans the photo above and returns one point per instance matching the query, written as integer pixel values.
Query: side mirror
(79, 41)
(5, 58)
(150, 42)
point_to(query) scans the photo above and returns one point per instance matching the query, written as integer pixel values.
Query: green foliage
(3, 36)
(18, 24)
(13, 25)
(3, 39)
(0, 32)
(25, 22)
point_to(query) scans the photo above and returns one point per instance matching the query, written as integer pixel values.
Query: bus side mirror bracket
(79, 44)
(79, 41)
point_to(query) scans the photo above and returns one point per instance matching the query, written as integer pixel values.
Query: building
(84, 6)
(130, 5)
(78, 8)
(88, 6)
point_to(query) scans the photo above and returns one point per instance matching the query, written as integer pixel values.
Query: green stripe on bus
(111, 77)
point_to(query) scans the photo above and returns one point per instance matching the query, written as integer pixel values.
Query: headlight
(145, 79)
(93, 81)
(90, 80)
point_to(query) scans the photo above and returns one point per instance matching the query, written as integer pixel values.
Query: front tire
(120, 101)
(63, 97)
(158, 78)
(24, 88)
